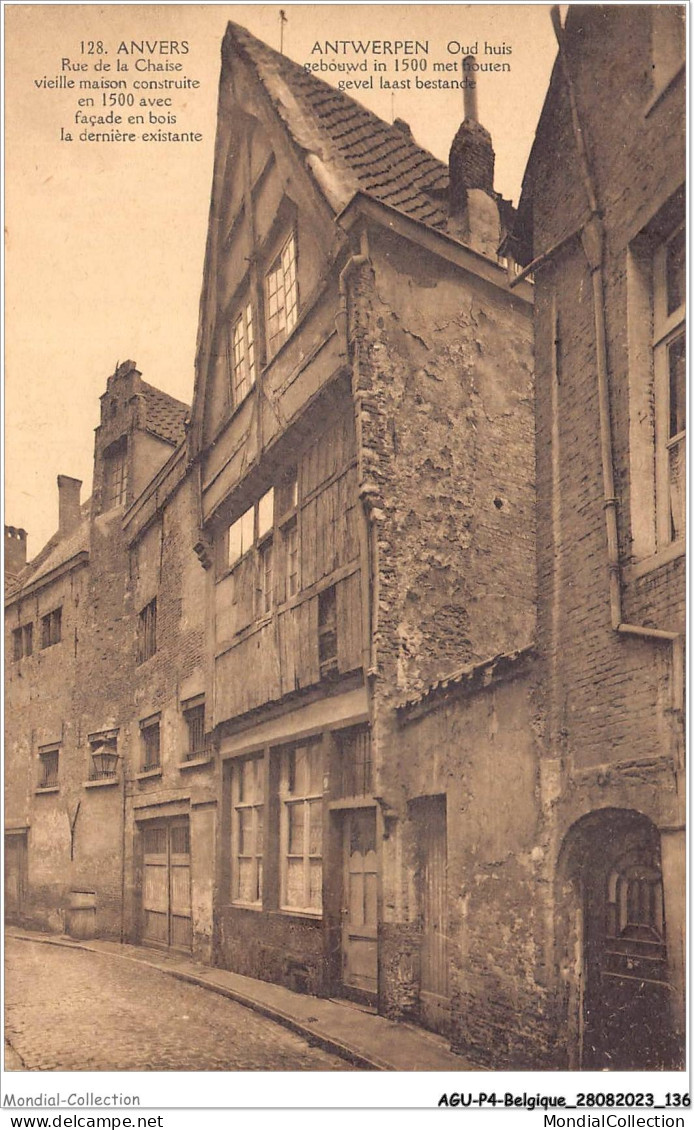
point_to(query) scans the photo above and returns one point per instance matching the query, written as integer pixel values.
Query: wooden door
(432, 849)
(166, 913)
(626, 1006)
(15, 875)
(360, 904)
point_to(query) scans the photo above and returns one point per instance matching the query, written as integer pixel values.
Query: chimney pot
(15, 549)
(68, 504)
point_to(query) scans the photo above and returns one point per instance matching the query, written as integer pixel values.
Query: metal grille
(147, 632)
(195, 721)
(151, 748)
(356, 769)
(49, 769)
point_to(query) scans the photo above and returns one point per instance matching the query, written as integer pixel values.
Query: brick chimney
(68, 504)
(472, 206)
(15, 550)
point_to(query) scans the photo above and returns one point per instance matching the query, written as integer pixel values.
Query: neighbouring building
(367, 673)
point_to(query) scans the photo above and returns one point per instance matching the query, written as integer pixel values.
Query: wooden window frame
(242, 354)
(303, 801)
(668, 329)
(147, 632)
(194, 718)
(282, 294)
(51, 628)
(49, 762)
(115, 475)
(327, 630)
(148, 729)
(242, 803)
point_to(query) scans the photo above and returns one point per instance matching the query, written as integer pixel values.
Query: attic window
(115, 475)
(282, 296)
(242, 355)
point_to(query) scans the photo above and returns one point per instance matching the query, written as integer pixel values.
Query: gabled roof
(58, 550)
(166, 416)
(349, 149)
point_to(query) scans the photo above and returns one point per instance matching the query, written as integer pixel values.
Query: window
(354, 750)
(265, 577)
(151, 748)
(194, 718)
(51, 628)
(301, 800)
(669, 368)
(282, 296)
(327, 632)
(242, 355)
(147, 632)
(48, 766)
(115, 475)
(290, 536)
(240, 537)
(287, 511)
(23, 641)
(247, 830)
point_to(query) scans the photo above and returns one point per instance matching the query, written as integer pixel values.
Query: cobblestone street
(71, 1010)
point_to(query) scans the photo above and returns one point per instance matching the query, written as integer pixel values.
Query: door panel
(360, 902)
(166, 912)
(15, 874)
(626, 1001)
(430, 823)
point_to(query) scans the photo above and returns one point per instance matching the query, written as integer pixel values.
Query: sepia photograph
(344, 544)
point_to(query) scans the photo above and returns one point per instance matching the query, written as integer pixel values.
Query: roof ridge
(336, 130)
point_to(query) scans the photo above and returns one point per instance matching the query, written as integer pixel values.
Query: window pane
(675, 271)
(247, 530)
(315, 834)
(678, 387)
(246, 880)
(295, 882)
(246, 845)
(315, 761)
(265, 512)
(295, 815)
(315, 875)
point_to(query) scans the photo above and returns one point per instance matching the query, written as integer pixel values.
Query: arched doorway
(611, 934)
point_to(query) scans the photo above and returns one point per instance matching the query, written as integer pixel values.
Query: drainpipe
(593, 241)
(366, 490)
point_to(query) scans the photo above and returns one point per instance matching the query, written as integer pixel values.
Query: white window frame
(255, 803)
(281, 295)
(667, 329)
(291, 798)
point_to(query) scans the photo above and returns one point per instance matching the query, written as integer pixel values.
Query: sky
(105, 242)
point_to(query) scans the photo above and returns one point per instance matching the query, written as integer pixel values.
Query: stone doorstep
(345, 1031)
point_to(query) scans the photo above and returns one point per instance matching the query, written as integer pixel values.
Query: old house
(362, 426)
(564, 761)
(603, 231)
(367, 676)
(71, 647)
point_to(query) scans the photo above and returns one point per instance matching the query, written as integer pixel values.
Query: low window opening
(48, 778)
(194, 718)
(356, 767)
(147, 632)
(51, 628)
(151, 748)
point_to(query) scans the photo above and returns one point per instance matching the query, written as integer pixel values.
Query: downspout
(366, 490)
(593, 241)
